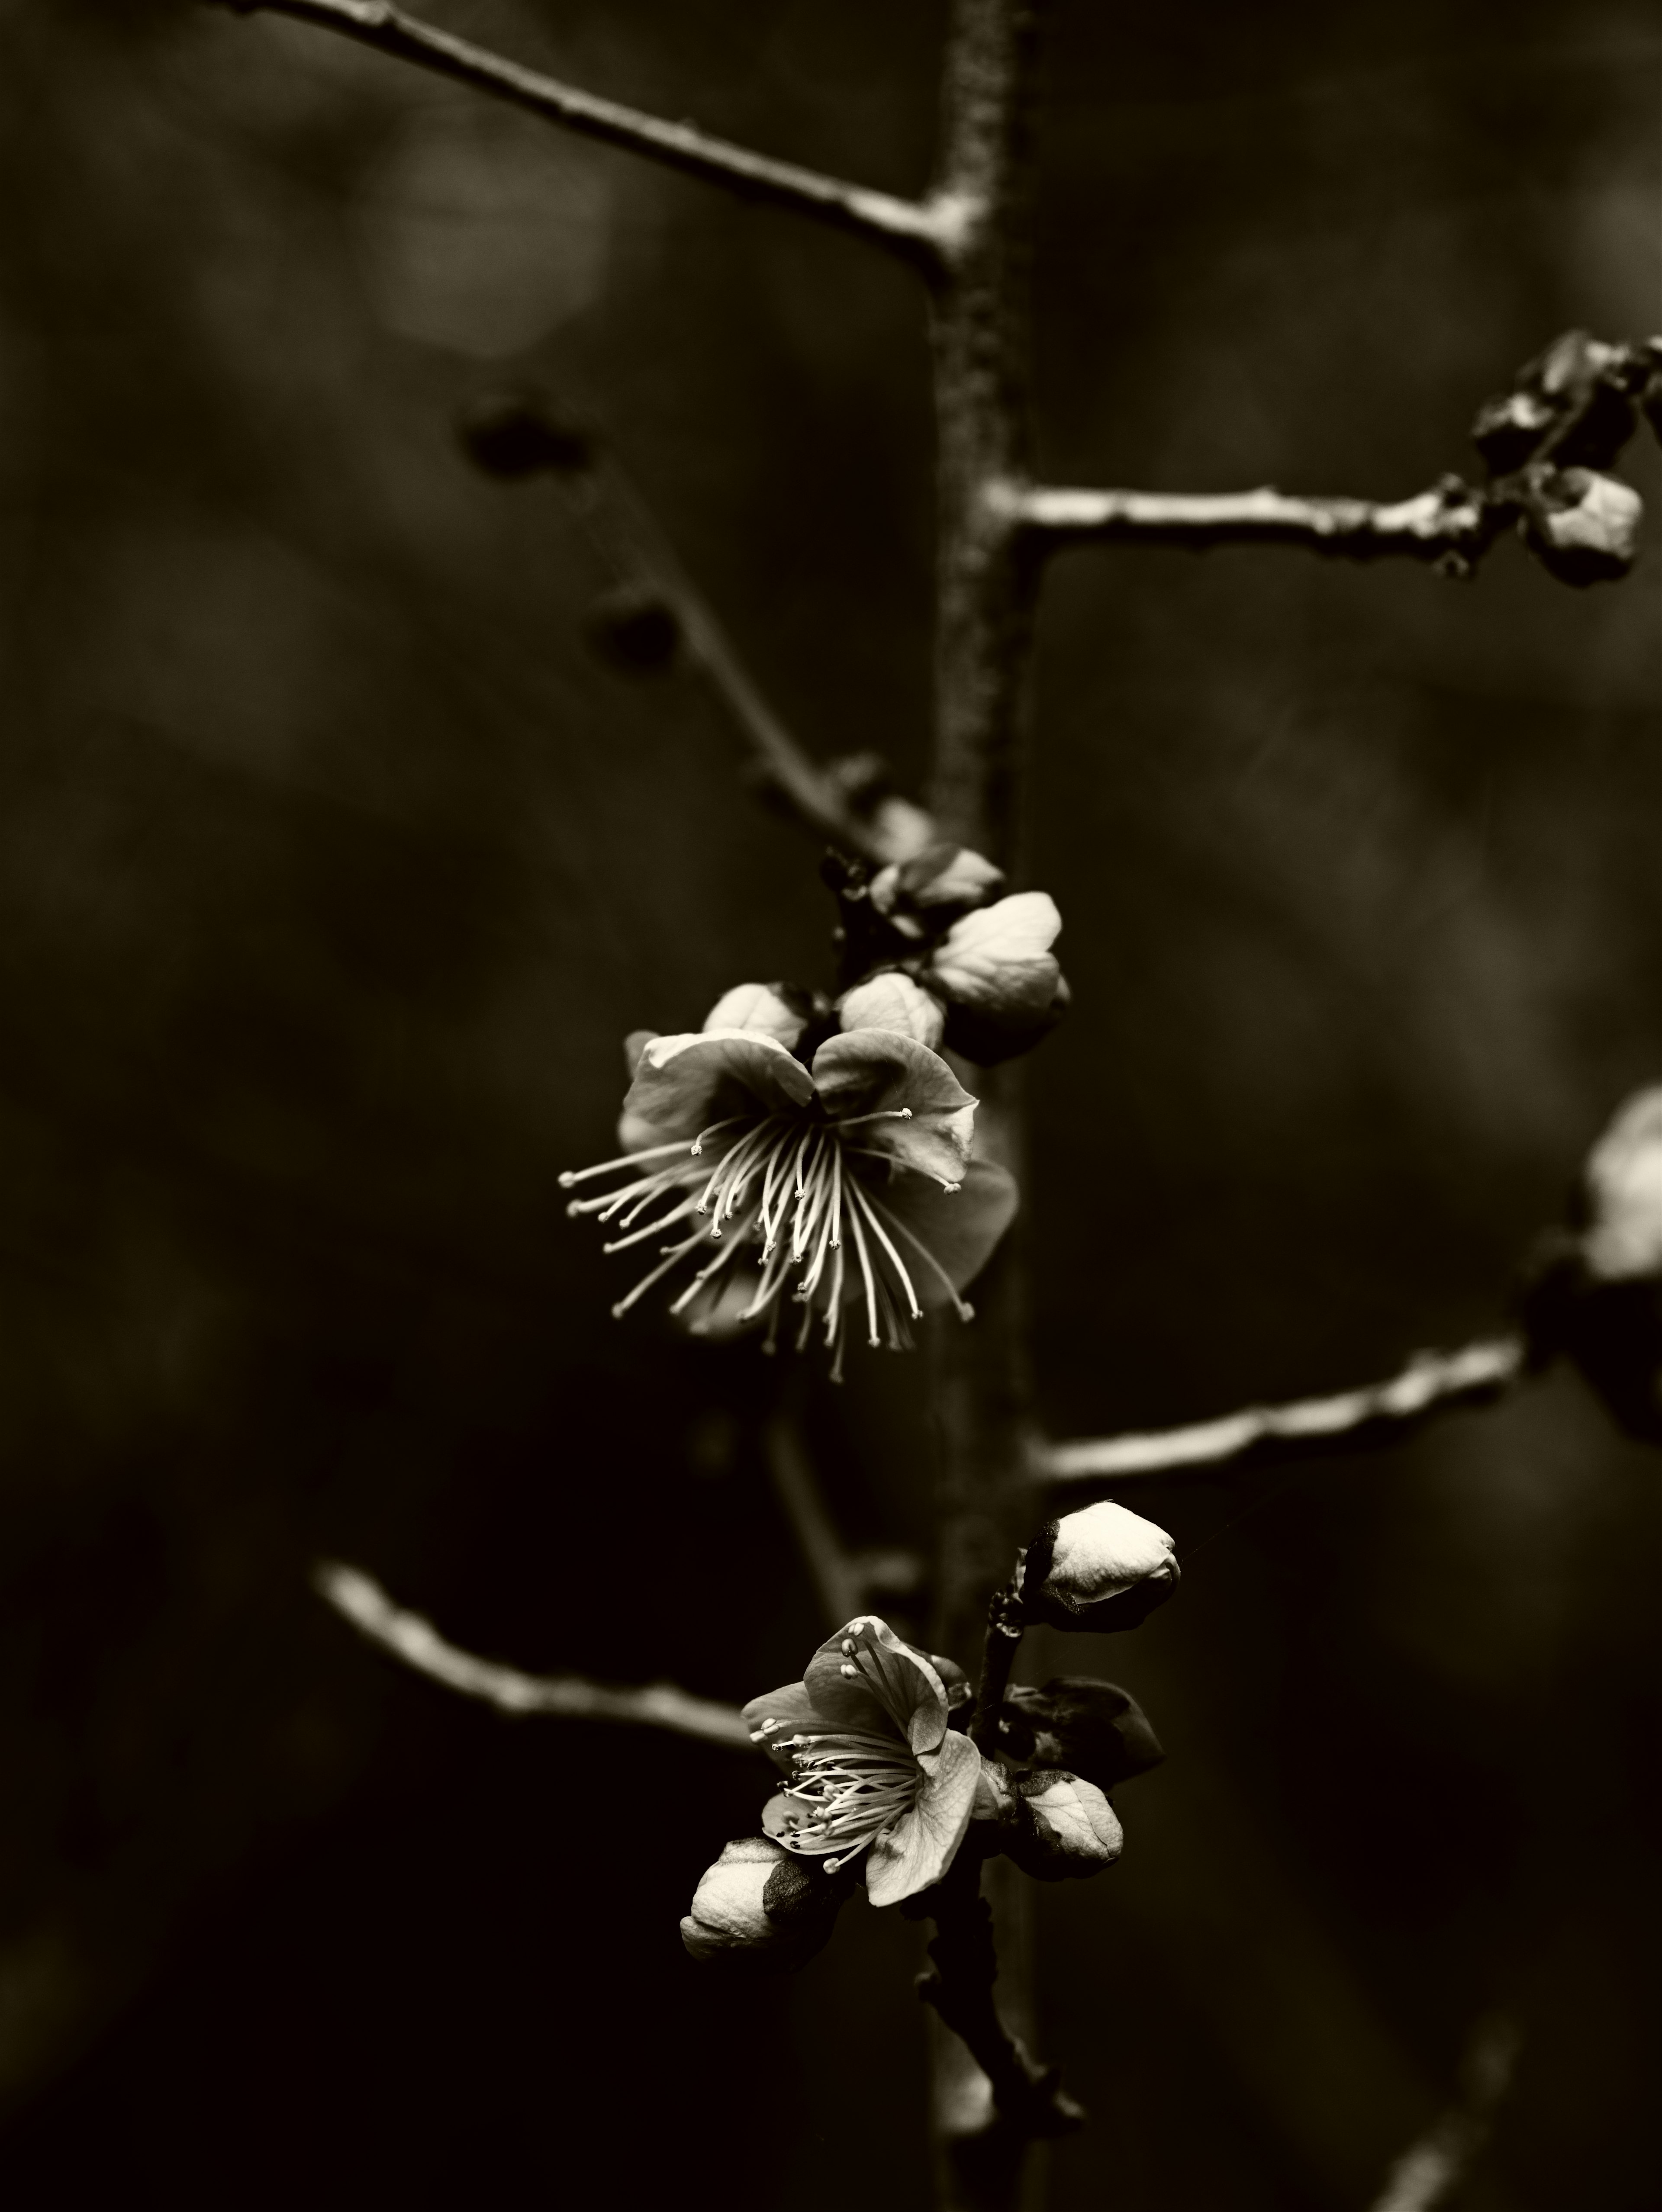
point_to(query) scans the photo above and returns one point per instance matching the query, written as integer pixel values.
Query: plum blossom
(1100, 1569)
(842, 1184)
(869, 1761)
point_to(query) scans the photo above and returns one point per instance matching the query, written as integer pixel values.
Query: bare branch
(1453, 522)
(1380, 1413)
(1432, 2168)
(408, 1637)
(922, 232)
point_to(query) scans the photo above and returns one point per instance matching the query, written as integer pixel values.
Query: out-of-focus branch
(408, 1637)
(835, 1575)
(920, 231)
(1453, 522)
(1378, 1412)
(1432, 2168)
(657, 614)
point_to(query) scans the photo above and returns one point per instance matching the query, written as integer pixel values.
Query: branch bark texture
(918, 231)
(409, 1637)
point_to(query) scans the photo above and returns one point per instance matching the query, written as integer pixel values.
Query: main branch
(408, 1637)
(1378, 1413)
(920, 231)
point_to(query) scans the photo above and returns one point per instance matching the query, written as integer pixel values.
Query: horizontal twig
(408, 1637)
(923, 231)
(1378, 1412)
(1452, 521)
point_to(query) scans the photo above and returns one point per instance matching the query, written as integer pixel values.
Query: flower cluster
(799, 1153)
(881, 1782)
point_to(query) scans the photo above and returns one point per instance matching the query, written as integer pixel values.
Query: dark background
(332, 869)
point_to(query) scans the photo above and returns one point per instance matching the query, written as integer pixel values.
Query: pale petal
(877, 1072)
(920, 1846)
(757, 1010)
(958, 1227)
(792, 1708)
(893, 1001)
(894, 1690)
(684, 1084)
(998, 960)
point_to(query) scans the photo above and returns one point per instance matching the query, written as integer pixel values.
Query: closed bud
(1065, 1829)
(1000, 980)
(776, 1009)
(1093, 1729)
(1596, 1294)
(762, 1909)
(893, 1001)
(1582, 527)
(1101, 1569)
(921, 895)
(635, 629)
(511, 434)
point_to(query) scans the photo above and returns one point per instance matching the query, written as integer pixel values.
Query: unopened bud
(893, 1001)
(1093, 1729)
(1582, 527)
(1595, 1294)
(760, 1907)
(511, 435)
(922, 894)
(635, 629)
(1065, 1829)
(1101, 1569)
(1000, 980)
(775, 1010)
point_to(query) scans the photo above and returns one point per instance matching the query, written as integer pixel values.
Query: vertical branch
(986, 582)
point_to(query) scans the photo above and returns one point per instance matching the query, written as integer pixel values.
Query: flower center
(845, 1790)
(799, 1185)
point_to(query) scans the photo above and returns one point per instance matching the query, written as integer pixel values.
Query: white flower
(1102, 1568)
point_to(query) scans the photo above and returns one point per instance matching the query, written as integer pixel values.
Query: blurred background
(333, 868)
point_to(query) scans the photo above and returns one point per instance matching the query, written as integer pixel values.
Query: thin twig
(922, 232)
(1433, 2167)
(835, 1573)
(635, 542)
(1378, 1412)
(408, 1637)
(1452, 522)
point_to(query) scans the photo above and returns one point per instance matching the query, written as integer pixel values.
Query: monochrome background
(333, 868)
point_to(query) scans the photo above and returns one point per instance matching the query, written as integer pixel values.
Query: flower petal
(920, 1846)
(959, 1228)
(893, 1001)
(880, 1073)
(684, 1084)
(883, 1686)
(760, 1009)
(791, 1707)
(999, 959)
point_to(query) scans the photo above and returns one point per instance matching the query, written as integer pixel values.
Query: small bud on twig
(1093, 1729)
(511, 435)
(635, 629)
(1065, 1829)
(1100, 1569)
(1582, 526)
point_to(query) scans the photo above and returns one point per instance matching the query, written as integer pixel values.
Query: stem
(987, 577)
(1452, 523)
(408, 1637)
(919, 232)
(999, 1647)
(1378, 1413)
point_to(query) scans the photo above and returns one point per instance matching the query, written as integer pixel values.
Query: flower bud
(775, 1010)
(921, 895)
(1093, 1729)
(1066, 1831)
(893, 1001)
(1001, 982)
(1582, 527)
(1596, 1296)
(760, 1907)
(635, 629)
(1101, 1569)
(512, 434)
(1574, 395)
